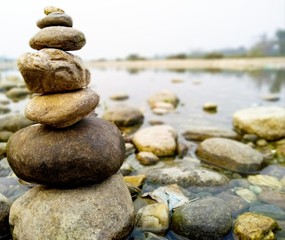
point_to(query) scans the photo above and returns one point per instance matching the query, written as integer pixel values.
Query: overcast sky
(116, 28)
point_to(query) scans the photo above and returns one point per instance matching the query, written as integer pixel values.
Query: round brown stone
(55, 19)
(64, 38)
(53, 70)
(50, 9)
(87, 152)
(61, 109)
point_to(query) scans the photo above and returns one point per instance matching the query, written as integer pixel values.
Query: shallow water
(230, 90)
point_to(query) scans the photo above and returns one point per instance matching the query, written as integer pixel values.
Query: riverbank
(237, 64)
(223, 64)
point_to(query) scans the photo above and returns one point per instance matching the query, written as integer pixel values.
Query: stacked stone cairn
(72, 155)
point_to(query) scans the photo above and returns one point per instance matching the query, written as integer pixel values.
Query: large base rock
(101, 212)
(87, 152)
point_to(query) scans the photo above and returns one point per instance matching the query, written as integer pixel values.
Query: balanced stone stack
(73, 155)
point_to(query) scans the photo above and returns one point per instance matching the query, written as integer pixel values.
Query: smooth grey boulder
(230, 154)
(64, 38)
(62, 109)
(87, 152)
(205, 219)
(99, 212)
(53, 70)
(55, 19)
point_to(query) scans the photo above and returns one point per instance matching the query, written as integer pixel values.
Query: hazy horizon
(115, 29)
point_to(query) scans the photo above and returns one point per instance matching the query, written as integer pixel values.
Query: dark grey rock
(235, 203)
(206, 219)
(86, 152)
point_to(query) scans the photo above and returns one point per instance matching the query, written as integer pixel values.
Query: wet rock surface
(160, 140)
(255, 226)
(209, 218)
(69, 156)
(61, 214)
(230, 154)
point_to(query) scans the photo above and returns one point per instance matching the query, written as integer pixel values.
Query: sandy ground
(226, 64)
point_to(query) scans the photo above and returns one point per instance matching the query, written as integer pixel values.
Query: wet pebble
(265, 181)
(273, 197)
(154, 218)
(147, 158)
(204, 219)
(5, 135)
(255, 226)
(268, 210)
(246, 195)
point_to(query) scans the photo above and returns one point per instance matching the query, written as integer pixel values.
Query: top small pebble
(51, 9)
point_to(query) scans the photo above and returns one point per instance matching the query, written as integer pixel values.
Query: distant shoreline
(238, 64)
(223, 64)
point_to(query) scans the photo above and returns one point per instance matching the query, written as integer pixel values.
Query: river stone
(277, 171)
(186, 176)
(147, 158)
(53, 70)
(246, 195)
(153, 218)
(235, 203)
(55, 19)
(265, 181)
(205, 219)
(4, 217)
(17, 93)
(62, 109)
(201, 133)
(265, 122)
(102, 211)
(230, 154)
(268, 210)
(15, 122)
(124, 116)
(86, 152)
(255, 226)
(273, 197)
(50, 9)
(164, 96)
(64, 38)
(161, 140)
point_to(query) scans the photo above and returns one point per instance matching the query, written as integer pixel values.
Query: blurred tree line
(264, 47)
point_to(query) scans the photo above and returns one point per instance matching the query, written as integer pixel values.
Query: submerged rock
(153, 218)
(160, 140)
(68, 156)
(230, 154)
(265, 122)
(204, 219)
(265, 181)
(102, 211)
(147, 158)
(186, 176)
(255, 226)
(124, 116)
(201, 133)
